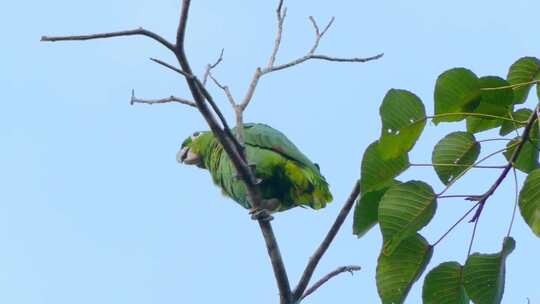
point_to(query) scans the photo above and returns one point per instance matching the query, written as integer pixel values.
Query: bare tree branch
(228, 141)
(206, 95)
(318, 33)
(140, 31)
(225, 89)
(320, 57)
(251, 89)
(169, 99)
(326, 278)
(281, 13)
(316, 257)
(210, 67)
(271, 67)
(171, 67)
(236, 156)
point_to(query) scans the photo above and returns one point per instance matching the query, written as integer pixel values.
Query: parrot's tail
(309, 186)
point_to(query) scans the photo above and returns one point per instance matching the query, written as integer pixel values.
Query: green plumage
(286, 174)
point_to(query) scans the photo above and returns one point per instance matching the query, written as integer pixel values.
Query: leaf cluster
(403, 208)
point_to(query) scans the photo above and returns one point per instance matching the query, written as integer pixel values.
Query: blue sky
(94, 208)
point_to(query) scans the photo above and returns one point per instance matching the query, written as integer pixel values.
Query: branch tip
(279, 8)
(173, 68)
(328, 25)
(350, 269)
(132, 101)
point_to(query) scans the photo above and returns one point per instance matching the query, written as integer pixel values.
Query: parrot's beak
(187, 157)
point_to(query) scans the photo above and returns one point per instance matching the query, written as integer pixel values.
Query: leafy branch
(524, 138)
(402, 209)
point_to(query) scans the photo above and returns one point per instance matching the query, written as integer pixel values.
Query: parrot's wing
(266, 137)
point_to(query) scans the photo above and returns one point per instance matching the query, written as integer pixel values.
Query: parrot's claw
(263, 212)
(260, 214)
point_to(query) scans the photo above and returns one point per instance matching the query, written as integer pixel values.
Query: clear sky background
(95, 209)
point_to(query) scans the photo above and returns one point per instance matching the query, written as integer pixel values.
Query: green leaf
(500, 97)
(366, 211)
(524, 70)
(484, 274)
(403, 119)
(519, 115)
(456, 91)
(477, 124)
(529, 201)
(528, 156)
(444, 285)
(397, 273)
(492, 102)
(453, 154)
(377, 172)
(404, 209)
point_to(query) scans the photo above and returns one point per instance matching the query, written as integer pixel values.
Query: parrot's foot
(260, 214)
(263, 212)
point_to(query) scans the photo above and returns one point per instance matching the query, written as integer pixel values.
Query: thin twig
(140, 31)
(467, 196)
(475, 115)
(212, 66)
(457, 165)
(470, 167)
(326, 278)
(171, 67)
(225, 89)
(516, 199)
(318, 33)
(513, 86)
(226, 128)
(455, 225)
(281, 13)
(479, 205)
(169, 99)
(205, 95)
(271, 67)
(316, 257)
(320, 57)
(494, 139)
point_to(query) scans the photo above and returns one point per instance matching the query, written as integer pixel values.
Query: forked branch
(524, 138)
(281, 13)
(234, 149)
(212, 66)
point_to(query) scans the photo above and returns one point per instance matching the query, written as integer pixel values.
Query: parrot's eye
(195, 135)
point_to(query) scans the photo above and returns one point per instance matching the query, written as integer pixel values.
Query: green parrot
(287, 177)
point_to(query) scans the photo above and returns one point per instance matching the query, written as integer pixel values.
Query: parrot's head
(195, 148)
